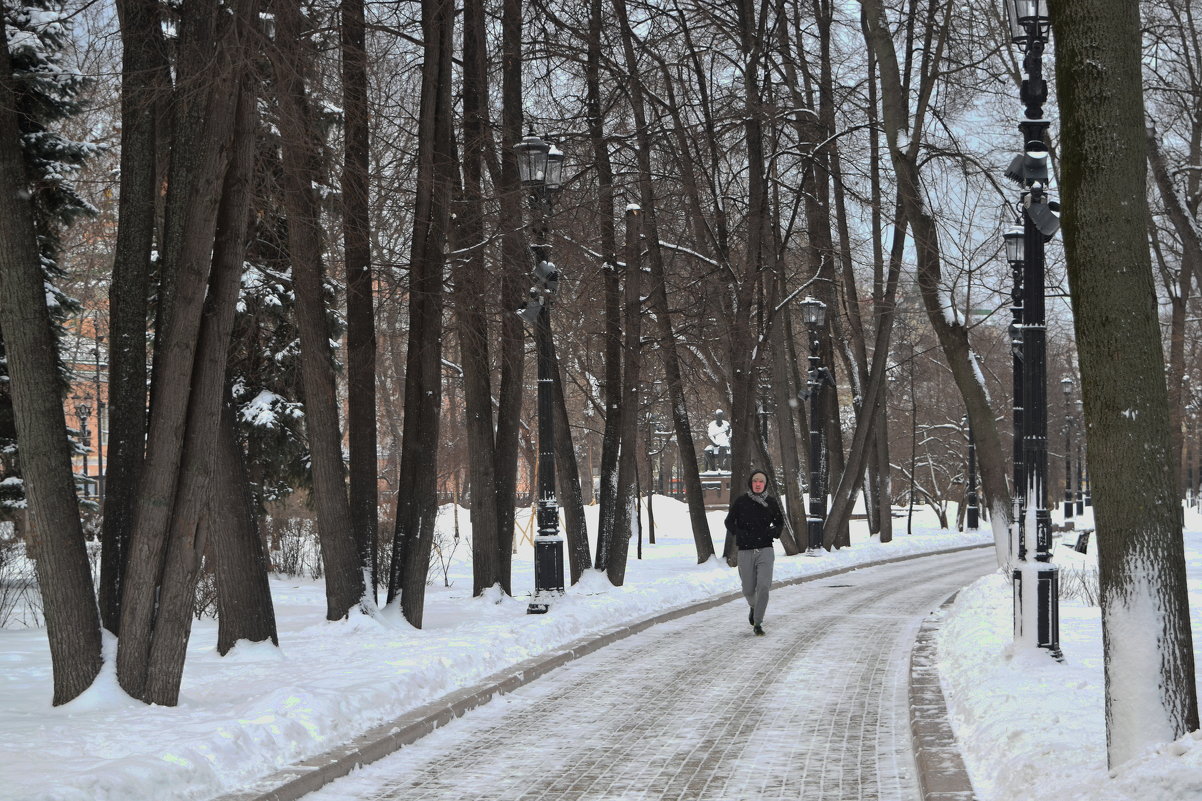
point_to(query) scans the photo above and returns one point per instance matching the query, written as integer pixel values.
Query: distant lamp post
(83, 411)
(1066, 384)
(1036, 618)
(540, 167)
(766, 407)
(972, 514)
(813, 313)
(99, 424)
(1083, 497)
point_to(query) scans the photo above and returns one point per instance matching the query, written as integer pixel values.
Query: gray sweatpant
(755, 569)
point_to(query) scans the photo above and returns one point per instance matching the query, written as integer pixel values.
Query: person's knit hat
(757, 472)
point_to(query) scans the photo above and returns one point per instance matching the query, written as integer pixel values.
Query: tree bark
(514, 258)
(611, 389)
(417, 501)
(55, 536)
(1145, 607)
(567, 476)
(626, 500)
(143, 79)
(471, 289)
(200, 153)
(301, 153)
(244, 607)
(360, 308)
(196, 501)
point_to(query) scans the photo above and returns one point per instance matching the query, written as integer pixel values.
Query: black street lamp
(83, 411)
(1066, 384)
(99, 425)
(813, 312)
(972, 514)
(1036, 608)
(1013, 240)
(540, 166)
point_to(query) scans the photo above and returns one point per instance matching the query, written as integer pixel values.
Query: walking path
(699, 708)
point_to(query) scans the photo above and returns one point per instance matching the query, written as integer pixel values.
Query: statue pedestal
(715, 487)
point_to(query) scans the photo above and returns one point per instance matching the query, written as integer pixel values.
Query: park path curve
(699, 709)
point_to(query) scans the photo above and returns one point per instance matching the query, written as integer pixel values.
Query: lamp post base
(1037, 606)
(548, 573)
(814, 535)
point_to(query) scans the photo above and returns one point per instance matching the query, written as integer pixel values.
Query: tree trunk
(514, 258)
(627, 497)
(143, 79)
(1178, 290)
(195, 496)
(567, 476)
(417, 500)
(200, 152)
(611, 389)
(658, 300)
(1145, 607)
(244, 606)
(301, 154)
(55, 536)
(471, 290)
(360, 308)
(953, 336)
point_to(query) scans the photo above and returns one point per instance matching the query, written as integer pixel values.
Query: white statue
(717, 453)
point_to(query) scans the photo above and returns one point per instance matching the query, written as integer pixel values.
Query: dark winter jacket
(753, 524)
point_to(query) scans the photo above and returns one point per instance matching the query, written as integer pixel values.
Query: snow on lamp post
(540, 167)
(1036, 584)
(813, 312)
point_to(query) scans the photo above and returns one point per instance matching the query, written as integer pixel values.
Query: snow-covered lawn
(260, 708)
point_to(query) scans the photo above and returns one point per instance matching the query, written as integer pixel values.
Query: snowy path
(699, 708)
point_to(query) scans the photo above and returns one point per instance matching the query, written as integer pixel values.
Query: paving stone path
(700, 709)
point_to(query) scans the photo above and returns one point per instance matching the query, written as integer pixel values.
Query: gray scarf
(759, 497)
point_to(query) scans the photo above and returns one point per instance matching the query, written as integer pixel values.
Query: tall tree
(903, 131)
(360, 309)
(1145, 607)
(626, 500)
(200, 151)
(291, 61)
(471, 289)
(144, 80)
(417, 501)
(56, 540)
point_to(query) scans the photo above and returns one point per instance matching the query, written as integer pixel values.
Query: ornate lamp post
(813, 312)
(83, 411)
(1066, 384)
(1036, 607)
(540, 166)
(1013, 240)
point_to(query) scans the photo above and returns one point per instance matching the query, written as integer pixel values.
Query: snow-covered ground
(1030, 728)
